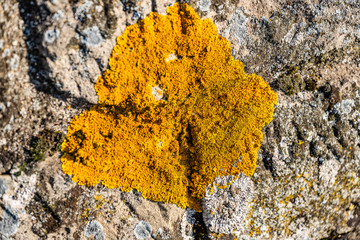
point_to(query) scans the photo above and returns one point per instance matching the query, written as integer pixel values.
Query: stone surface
(307, 182)
(143, 230)
(226, 203)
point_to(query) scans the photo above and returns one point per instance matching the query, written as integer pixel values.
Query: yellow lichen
(207, 123)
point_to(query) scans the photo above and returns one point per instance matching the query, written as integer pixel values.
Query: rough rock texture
(226, 203)
(307, 182)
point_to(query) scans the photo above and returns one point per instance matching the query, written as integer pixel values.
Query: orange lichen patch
(207, 121)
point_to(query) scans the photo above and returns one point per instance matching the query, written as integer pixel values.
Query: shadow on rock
(36, 20)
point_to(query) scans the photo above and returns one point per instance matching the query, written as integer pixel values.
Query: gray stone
(142, 230)
(51, 35)
(92, 37)
(307, 181)
(226, 203)
(204, 5)
(9, 222)
(94, 228)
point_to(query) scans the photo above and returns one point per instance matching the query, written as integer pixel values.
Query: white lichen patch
(328, 171)
(51, 35)
(81, 11)
(171, 57)
(92, 37)
(94, 228)
(204, 5)
(187, 224)
(226, 203)
(344, 107)
(158, 93)
(142, 230)
(238, 27)
(58, 15)
(290, 34)
(14, 62)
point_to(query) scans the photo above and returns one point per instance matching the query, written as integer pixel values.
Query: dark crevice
(13, 216)
(54, 222)
(153, 6)
(271, 132)
(46, 207)
(131, 207)
(268, 163)
(200, 230)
